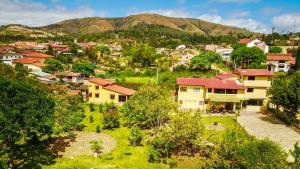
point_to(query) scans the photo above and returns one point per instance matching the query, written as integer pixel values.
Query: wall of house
(104, 95)
(260, 81)
(258, 93)
(33, 68)
(191, 99)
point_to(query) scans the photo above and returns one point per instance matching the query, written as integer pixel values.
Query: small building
(255, 43)
(280, 62)
(69, 77)
(8, 58)
(181, 47)
(105, 91)
(40, 56)
(32, 64)
(42, 76)
(225, 53)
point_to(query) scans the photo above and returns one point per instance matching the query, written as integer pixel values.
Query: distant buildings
(280, 62)
(32, 64)
(255, 43)
(8, 58)
(69, 77)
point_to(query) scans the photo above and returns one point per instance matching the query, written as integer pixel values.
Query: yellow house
(105, 91)
(257, 82)
(245, 88)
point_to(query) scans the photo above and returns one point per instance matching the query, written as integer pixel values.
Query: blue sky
(255, 15)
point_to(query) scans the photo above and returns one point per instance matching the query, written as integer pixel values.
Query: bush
(154, 155)
(136, 136)
(98, 130)
(111, 119)
(172, 163)
(91, 119)
(92, 107)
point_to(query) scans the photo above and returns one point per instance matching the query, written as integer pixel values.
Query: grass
(122, 157)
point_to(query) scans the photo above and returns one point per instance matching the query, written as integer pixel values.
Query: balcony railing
(225, 97)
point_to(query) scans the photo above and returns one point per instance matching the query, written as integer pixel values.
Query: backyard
(121, 155)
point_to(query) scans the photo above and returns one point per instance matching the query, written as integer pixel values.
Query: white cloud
(239, 13)
(37, 14)
(247, 23)
(269, 10)
(287, 22)
(180, 13)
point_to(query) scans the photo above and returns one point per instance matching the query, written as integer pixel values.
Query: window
(231, 91)
(196, 90)
(250, 90)
(96, 87)
(112, 97)
(281, 61)
(90, 95)
(220, 91)
(251, 77)
(255, 102)
(122, 98)
(209, 90)
(183, 89)
(97, 95)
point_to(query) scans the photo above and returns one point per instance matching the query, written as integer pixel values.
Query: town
(148, 91)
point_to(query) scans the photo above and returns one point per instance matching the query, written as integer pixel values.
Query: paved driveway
(262, 126)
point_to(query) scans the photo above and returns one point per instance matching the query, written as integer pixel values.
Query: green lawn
(122, 157)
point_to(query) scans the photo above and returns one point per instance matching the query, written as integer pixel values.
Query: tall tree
(25, 113)
(297, 55)
(275, 49)
(53, 65)
(83, 67)
(245, 57)
(204, 60)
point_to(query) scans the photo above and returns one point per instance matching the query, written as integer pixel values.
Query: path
(82, 146)
(262, 126)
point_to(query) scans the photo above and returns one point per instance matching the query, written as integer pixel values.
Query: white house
(181, 47)
(8, 58)
(69, 77)
(255, 43)
(225, 53)
(280, 62)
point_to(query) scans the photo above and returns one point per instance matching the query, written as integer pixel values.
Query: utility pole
(272, 42)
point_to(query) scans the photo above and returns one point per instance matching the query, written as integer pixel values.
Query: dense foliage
(275, 49)
(248, 58)
(83, 67)
(53, 65)
(204, 60)
(149, 107)
(111, 118)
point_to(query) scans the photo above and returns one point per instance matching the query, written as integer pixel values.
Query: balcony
(225, 97)
(257, 83)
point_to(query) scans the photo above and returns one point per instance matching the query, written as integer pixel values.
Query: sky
(255, 15)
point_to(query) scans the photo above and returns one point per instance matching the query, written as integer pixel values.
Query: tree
(204, 60)
(141, 56)
(96, 147)
(149, 107)
(104, 50)
(68, 113)
(111, 119)
(275, 49)
(84, 67)
(21, 71)
(297, 54)
(66, 59)
(136, 136)
(248, 58)
(53, 65)
(50, 50)
(26, 113)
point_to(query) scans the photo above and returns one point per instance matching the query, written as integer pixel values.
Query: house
(69, 77)
(181, 47)
(105, 91)
(225, 53)
(33, 64)
(9, 57)
(242, 89)
(257, 82)
(280, 62)
(40, 56)
(42, 76)
(59, 48)
(255, 43)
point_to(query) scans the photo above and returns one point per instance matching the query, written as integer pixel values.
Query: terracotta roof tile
(26, 60)
(37, 55)
(67, 73)
(245, 41)
(120, 89)
(226, 76)
(254, 72)
(100, 81)
(214, 83)
(278, 57)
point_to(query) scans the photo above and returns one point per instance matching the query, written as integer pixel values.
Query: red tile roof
(26, 60)
(245, 41)
(254, 72)
(37, 55)
(226, 76)
(213, 83)
(278, 57)
(74, 92)
(100, 81)
(120, 89)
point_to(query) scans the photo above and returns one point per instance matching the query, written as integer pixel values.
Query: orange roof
(26, 60)
(278, 57)
(254, 72)
(213, 83)
(100, 81)
(74, 92)
(37, 55)
(245, 41)
(120, 89)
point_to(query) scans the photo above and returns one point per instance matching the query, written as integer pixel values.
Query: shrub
(111, 119)
(91, 119)
(154, 155)
(92, 107)
(172, 163)
(136, 136)
(96, 146)
(98, 130)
